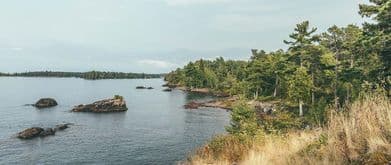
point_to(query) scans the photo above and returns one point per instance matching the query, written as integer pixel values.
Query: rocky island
(45, 103)
(34, 132)
(143, 87)
(116, 104)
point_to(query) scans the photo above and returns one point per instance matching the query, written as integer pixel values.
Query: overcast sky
(151, 36)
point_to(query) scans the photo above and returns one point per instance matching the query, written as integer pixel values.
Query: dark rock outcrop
(143, 87)
(45, 103)
(62, 126)
(34, 132)
(167, 90)
(47, 132)
(30, 133)
(107, 105)
(170, 85)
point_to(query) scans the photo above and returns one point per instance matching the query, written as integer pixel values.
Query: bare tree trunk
(275, 88)
(300, 108)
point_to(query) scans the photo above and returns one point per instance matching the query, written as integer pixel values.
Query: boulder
(45, 103)
(30, 133)
(62, 126)
(107, 105)
(264, 107)
(47, 132)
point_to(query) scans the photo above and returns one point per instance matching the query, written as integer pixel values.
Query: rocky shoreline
(196, 90)
(218, 103)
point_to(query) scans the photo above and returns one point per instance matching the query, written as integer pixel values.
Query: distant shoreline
(92, 75)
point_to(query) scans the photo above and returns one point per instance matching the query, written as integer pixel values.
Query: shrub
(118, 97)
(243, 121)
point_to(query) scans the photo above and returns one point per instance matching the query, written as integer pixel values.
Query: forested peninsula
(330, 91)
(92, 75)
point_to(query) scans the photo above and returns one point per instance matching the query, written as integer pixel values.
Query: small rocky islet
(45, 103)
(35, 132)
(144, 87)
(116, 104)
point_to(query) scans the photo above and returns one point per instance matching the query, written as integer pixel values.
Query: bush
(279, 122)
(243, 121)
(118, 97)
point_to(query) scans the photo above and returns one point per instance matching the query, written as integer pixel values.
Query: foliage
(93, 75)
(279, 122)
(243, 121)
(359, 134)
(118, 97)
(318, 69)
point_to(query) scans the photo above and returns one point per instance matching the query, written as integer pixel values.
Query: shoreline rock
(167, 90)
(170, 85)
(30, 133)
(219, 103)
(143, 87)
(35, 132)
(192, 105)
(45, 103)
(103, 106)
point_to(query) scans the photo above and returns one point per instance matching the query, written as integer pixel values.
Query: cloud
(193, 2)
(157, 63)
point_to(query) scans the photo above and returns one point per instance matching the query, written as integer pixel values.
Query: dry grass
(359, 135)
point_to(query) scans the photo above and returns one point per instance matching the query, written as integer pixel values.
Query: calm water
(155, 129)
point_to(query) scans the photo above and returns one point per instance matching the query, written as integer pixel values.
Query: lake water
(155, 130)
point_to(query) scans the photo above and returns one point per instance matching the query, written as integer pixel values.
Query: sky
(152, 36)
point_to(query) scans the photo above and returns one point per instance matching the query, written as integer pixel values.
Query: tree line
(92, 75)
(318, 69)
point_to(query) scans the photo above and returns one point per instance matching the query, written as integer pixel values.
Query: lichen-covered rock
(34, 132)
(30, 133)
(107, 105)
(45, 103)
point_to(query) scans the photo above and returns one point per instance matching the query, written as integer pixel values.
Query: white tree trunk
(275, 88)
(301, 108)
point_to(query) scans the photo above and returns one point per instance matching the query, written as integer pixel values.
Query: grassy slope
(361, 135)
